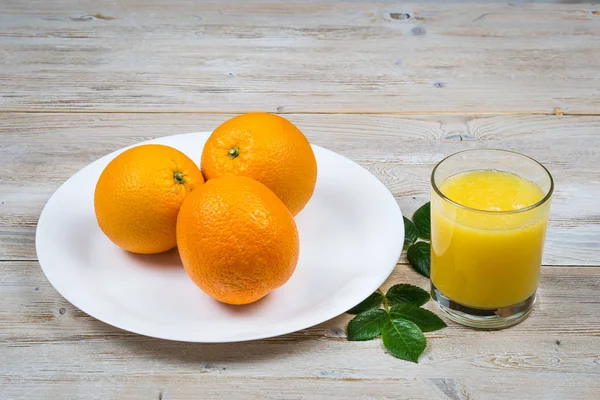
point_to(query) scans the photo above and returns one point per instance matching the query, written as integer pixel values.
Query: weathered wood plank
(42, 336)
(565, 306)
(40, 151)
(354, 57)
(309, 56)
(199, 384)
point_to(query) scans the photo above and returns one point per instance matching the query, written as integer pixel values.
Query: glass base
(496, 318)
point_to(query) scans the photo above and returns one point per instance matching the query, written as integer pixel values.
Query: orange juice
(486, 240)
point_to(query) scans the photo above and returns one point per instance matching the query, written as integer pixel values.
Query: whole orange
(265, 147)
(237, 239)
(138, 196)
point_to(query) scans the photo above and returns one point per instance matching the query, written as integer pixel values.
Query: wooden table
(394, 86)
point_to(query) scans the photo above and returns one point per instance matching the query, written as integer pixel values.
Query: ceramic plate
(351, 236)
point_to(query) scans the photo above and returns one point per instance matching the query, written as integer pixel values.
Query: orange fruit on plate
(237, 239)
(265, 147)
(138, 196)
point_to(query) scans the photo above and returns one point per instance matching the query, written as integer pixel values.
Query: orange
(139, 194)
(237, 239)
(268, 148)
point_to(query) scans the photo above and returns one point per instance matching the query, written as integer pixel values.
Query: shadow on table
(216, 356)
(211, 354)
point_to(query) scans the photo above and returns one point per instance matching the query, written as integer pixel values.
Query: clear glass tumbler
(489, 211)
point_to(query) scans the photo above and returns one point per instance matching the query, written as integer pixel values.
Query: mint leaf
(367, 325)
(405, 293)
(422, 220)
(373, 301)
(411, 234)
(424, 319)
(404, 340)
(419, 257)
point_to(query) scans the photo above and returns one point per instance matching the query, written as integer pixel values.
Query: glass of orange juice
(489, 210)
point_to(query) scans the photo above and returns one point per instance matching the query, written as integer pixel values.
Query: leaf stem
(386, 304)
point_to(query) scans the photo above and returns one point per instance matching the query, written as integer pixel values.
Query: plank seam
(556, 112)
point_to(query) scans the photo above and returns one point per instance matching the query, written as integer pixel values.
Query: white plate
(351, 236)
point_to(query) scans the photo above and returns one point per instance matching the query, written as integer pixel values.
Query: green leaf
(373, 301)
(367, 325)
(419, 257)
(404, 340)
(424, 319)
(405, 293)
(422, 220)
(411, 234)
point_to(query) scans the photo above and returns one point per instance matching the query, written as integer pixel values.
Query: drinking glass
(485, 263)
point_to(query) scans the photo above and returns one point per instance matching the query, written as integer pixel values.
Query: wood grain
(302, 56)
(38, 152)
(555, 352)
(393, 86)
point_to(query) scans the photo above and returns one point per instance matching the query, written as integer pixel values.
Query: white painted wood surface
(54, 350)
(400, 150)
(309, 56)
(393, 86)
